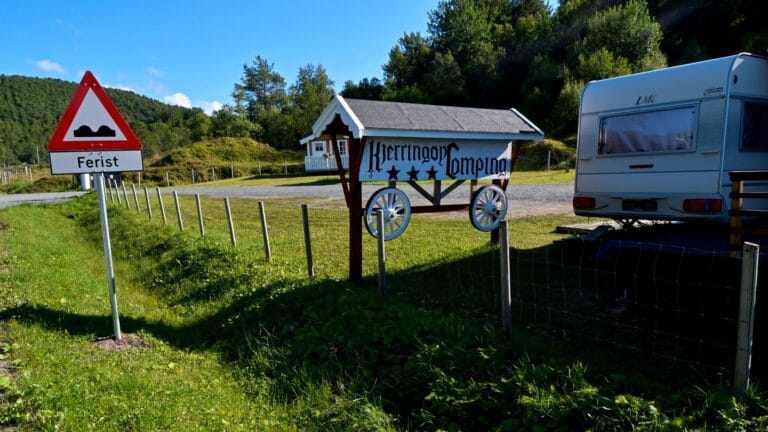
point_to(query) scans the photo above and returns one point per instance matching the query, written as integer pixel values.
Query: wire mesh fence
(669, 302)
(656, 301)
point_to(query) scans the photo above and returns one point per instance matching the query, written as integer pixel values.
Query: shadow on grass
(432, 350)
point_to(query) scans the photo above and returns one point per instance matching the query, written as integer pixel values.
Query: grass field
(518, 177)
(240, 343)
(43, 182)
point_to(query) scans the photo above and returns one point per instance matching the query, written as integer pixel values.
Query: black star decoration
(393, 173)
(432, 173)
(413, 174)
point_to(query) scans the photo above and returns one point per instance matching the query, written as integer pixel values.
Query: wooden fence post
(135, 198)
(178, 210)
(265, 231)
(750, 260)
(125, 195)
(231, 225)
(117, 192)
(149, 205)
(162, 206)
(506, 291)
(307, 240)
(111, 195)
(200, 215)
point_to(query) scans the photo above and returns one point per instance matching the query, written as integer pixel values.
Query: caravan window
(648, 131)
(754, 128)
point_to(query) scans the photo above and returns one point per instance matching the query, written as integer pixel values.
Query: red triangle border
(57, 143)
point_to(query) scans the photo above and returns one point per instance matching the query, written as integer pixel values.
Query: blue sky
(192, 52)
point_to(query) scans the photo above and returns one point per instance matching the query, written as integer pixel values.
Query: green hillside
(30, 109)
(215, 158)
(221, 151)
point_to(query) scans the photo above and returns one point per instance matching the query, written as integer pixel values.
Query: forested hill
(30, 109)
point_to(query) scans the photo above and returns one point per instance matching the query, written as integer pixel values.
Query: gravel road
(36, 198)
(524, 200)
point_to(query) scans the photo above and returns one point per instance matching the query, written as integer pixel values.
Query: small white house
(660, 144)
(320, 153)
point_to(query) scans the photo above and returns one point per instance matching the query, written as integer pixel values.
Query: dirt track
(36, 198)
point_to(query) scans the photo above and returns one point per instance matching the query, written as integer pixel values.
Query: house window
(754, 127)
(666, 130)
(342, 148)
(318, 147)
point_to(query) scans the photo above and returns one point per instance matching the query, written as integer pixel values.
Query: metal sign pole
(108, 253)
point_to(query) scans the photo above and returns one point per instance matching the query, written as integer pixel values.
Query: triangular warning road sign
(92, 122)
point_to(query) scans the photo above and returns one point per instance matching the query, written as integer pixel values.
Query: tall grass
(240, 343)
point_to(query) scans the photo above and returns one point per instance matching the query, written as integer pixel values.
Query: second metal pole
(381, 252)
(231, 225)
(162, 206)
(307, 240)
(506, 291)
(149, 205)
(265, 231)
(200, 215)
(178, 210)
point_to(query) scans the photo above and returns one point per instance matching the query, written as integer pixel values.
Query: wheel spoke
(397, 212)
(488, 207)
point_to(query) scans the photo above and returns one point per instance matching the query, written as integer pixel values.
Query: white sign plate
(388, 159)
(91, 162)
(95, 123)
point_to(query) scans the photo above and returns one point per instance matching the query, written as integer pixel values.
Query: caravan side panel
(750, 87)
(654, 182)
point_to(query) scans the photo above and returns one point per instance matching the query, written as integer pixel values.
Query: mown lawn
(240, 343)
(517, 177)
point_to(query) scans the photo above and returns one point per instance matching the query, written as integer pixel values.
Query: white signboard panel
(392, 159)
(91, 162)
(93, 122)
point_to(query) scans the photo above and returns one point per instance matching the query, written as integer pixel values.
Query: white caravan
(660, 144)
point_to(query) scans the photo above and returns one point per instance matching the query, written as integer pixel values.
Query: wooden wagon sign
(412, 143)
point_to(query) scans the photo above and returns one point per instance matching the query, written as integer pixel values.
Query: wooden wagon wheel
(488, 208)
(397, 212)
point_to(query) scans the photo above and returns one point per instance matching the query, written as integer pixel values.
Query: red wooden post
(353, 194)
(355, 211)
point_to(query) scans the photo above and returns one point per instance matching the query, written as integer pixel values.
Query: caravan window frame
(694, 129)
(744, 104)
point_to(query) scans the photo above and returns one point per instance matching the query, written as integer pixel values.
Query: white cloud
(120, 87)
(179, 99)
(157, 73)
(210, 107)
(50, 66)
(154, 87)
